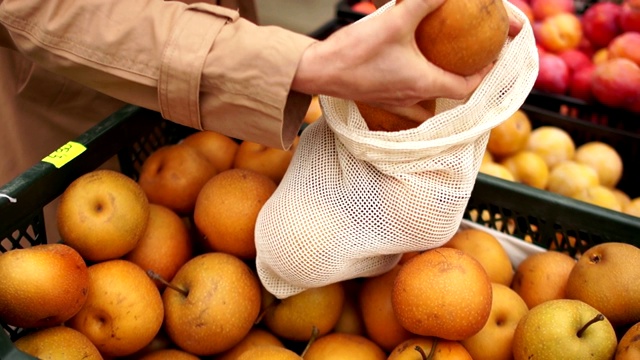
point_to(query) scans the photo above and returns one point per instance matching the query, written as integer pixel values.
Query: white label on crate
(65, 153)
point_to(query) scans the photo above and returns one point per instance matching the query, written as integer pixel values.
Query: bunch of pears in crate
(135, 278)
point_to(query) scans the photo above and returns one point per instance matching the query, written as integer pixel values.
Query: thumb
(414, 11)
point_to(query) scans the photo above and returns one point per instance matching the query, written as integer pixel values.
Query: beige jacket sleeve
(199, 65)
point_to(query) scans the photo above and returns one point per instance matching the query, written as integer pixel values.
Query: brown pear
(341, 346)
(629, 345)
(211, 303)
(606, 277)
(442, 292)
(542, 276)
(42, 286)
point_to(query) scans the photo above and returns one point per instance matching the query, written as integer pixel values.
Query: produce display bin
(132, 134)
(625, 142)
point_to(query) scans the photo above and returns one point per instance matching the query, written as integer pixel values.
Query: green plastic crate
(132, 133)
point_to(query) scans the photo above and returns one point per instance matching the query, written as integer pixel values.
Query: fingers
(515, 26)
(415, 10)
(459, 87)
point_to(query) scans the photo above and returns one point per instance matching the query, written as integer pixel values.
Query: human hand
(378, 62)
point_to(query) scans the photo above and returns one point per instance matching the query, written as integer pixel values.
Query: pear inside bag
(354, 200)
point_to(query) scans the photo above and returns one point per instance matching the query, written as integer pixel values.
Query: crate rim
(43, 182)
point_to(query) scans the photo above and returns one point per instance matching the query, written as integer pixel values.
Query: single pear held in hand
(606, 277)
(43, 285)
(460, 36)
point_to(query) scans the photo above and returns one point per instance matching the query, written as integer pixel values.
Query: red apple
(600, 23)
(560, 32)
(541, 49)
(544, 8)
(616, 83)
(580, 83)
(626, 45)
(575, 59)
(629, 19)
(364, 7)
(586, 47)
(553, 75)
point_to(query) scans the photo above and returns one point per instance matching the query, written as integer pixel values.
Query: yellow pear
(58, 342)
(494, 341)
(294, 318)
(102, 214)
(564, 329)
(604, 159)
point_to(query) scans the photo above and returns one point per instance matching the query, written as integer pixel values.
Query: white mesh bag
(353, 200)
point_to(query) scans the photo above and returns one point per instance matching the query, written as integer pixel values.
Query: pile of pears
(134, 279)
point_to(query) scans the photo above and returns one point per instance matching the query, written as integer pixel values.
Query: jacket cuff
(183, 61)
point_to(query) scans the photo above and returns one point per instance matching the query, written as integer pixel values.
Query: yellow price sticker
(65, 153)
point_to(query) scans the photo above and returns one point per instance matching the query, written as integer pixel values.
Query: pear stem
(597, 318)
(432, 352)
(264, 312)
(155, 276)
(419, 349)
(314, 335)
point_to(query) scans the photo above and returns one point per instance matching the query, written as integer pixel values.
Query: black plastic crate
(546, 219)
(590, 112)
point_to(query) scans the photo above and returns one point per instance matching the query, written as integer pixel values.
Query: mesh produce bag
(353, 200)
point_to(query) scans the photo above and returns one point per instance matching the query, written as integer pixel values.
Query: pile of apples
(593, 55)
(547, 158)
(163, 268)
